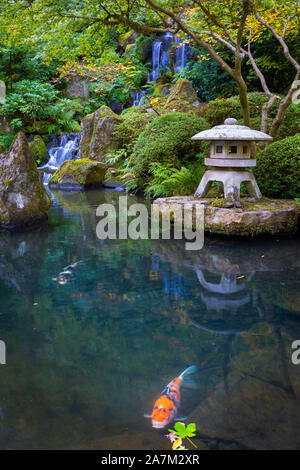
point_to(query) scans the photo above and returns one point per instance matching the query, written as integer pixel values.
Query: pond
(87, 359)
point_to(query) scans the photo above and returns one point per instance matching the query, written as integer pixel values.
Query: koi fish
(66, 275)
(166, 406)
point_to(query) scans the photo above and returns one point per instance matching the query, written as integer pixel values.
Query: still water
(87, 359)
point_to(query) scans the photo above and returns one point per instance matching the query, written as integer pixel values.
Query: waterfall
(137, 98)
(161, 47)
(181, 57)
(156, 50)
(161, 55)
(61, 148)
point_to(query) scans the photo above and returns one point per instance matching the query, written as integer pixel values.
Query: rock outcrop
(96, 134)
(78, 174)
(256, 217)
(182, 98)
(23, 198)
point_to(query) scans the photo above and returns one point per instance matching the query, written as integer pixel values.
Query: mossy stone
(96, 134)
(39, 150)
(82, 172)
(182, 98)
(23, 198)
(262, 217)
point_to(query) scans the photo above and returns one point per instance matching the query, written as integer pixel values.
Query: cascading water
(161, 60)
(137, 97)
(161, 55)
(181, 57)
(156, 56)
(60, 149)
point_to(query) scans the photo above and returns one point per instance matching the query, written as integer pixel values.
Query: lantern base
(231, 181)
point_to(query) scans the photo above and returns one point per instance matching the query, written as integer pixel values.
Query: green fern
(169, 181)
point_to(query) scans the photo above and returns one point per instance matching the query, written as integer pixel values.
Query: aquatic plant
(180, 432)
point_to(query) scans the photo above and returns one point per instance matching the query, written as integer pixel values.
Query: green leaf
(180, 429)
(190, 430)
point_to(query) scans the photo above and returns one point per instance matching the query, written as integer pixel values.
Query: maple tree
(86, 28)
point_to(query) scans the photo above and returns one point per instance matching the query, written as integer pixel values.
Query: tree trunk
(284, 104)
(242, 87)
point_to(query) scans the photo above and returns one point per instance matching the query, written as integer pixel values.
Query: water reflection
(88, 359)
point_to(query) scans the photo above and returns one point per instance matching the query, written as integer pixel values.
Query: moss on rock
(82, 172)
(23, 198)
(96, 134)
(182, 98)
(39, 150)
(261, 217)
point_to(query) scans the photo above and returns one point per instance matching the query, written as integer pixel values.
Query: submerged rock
(78, 174)
(182, 98)
(96, 134)
(23, 198)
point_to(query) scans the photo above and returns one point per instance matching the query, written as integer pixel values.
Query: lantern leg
(204, 186)
(252, 188)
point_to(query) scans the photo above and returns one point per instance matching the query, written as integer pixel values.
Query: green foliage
(6, 140)
(278, 169)
(183, 431)
(167, 140)
(269, 57)
(127, 132)
(20, 63)
(116, 157)
(215, 112)
(290, 124)
(207, 77)
(33, 101)
(169, 181)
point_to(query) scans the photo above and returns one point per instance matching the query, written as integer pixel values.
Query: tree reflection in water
(86, 360)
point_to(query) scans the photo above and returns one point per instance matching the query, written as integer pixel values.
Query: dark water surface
(87, 359)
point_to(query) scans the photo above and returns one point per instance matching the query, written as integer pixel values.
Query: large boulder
(182, 98)
(23, 198)
(96, 134)
(78, 174)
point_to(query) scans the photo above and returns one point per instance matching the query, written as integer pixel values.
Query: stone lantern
(230, 159)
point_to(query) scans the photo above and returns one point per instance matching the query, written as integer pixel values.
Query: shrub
(207, 77)
(215, 112)
(33, 101)
(278, 168)
(289, 126)
(127, 132)
(167, 140)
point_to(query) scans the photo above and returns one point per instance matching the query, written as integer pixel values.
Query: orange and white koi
(166, 406)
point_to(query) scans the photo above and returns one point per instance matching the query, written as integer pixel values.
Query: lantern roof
(230, 130)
